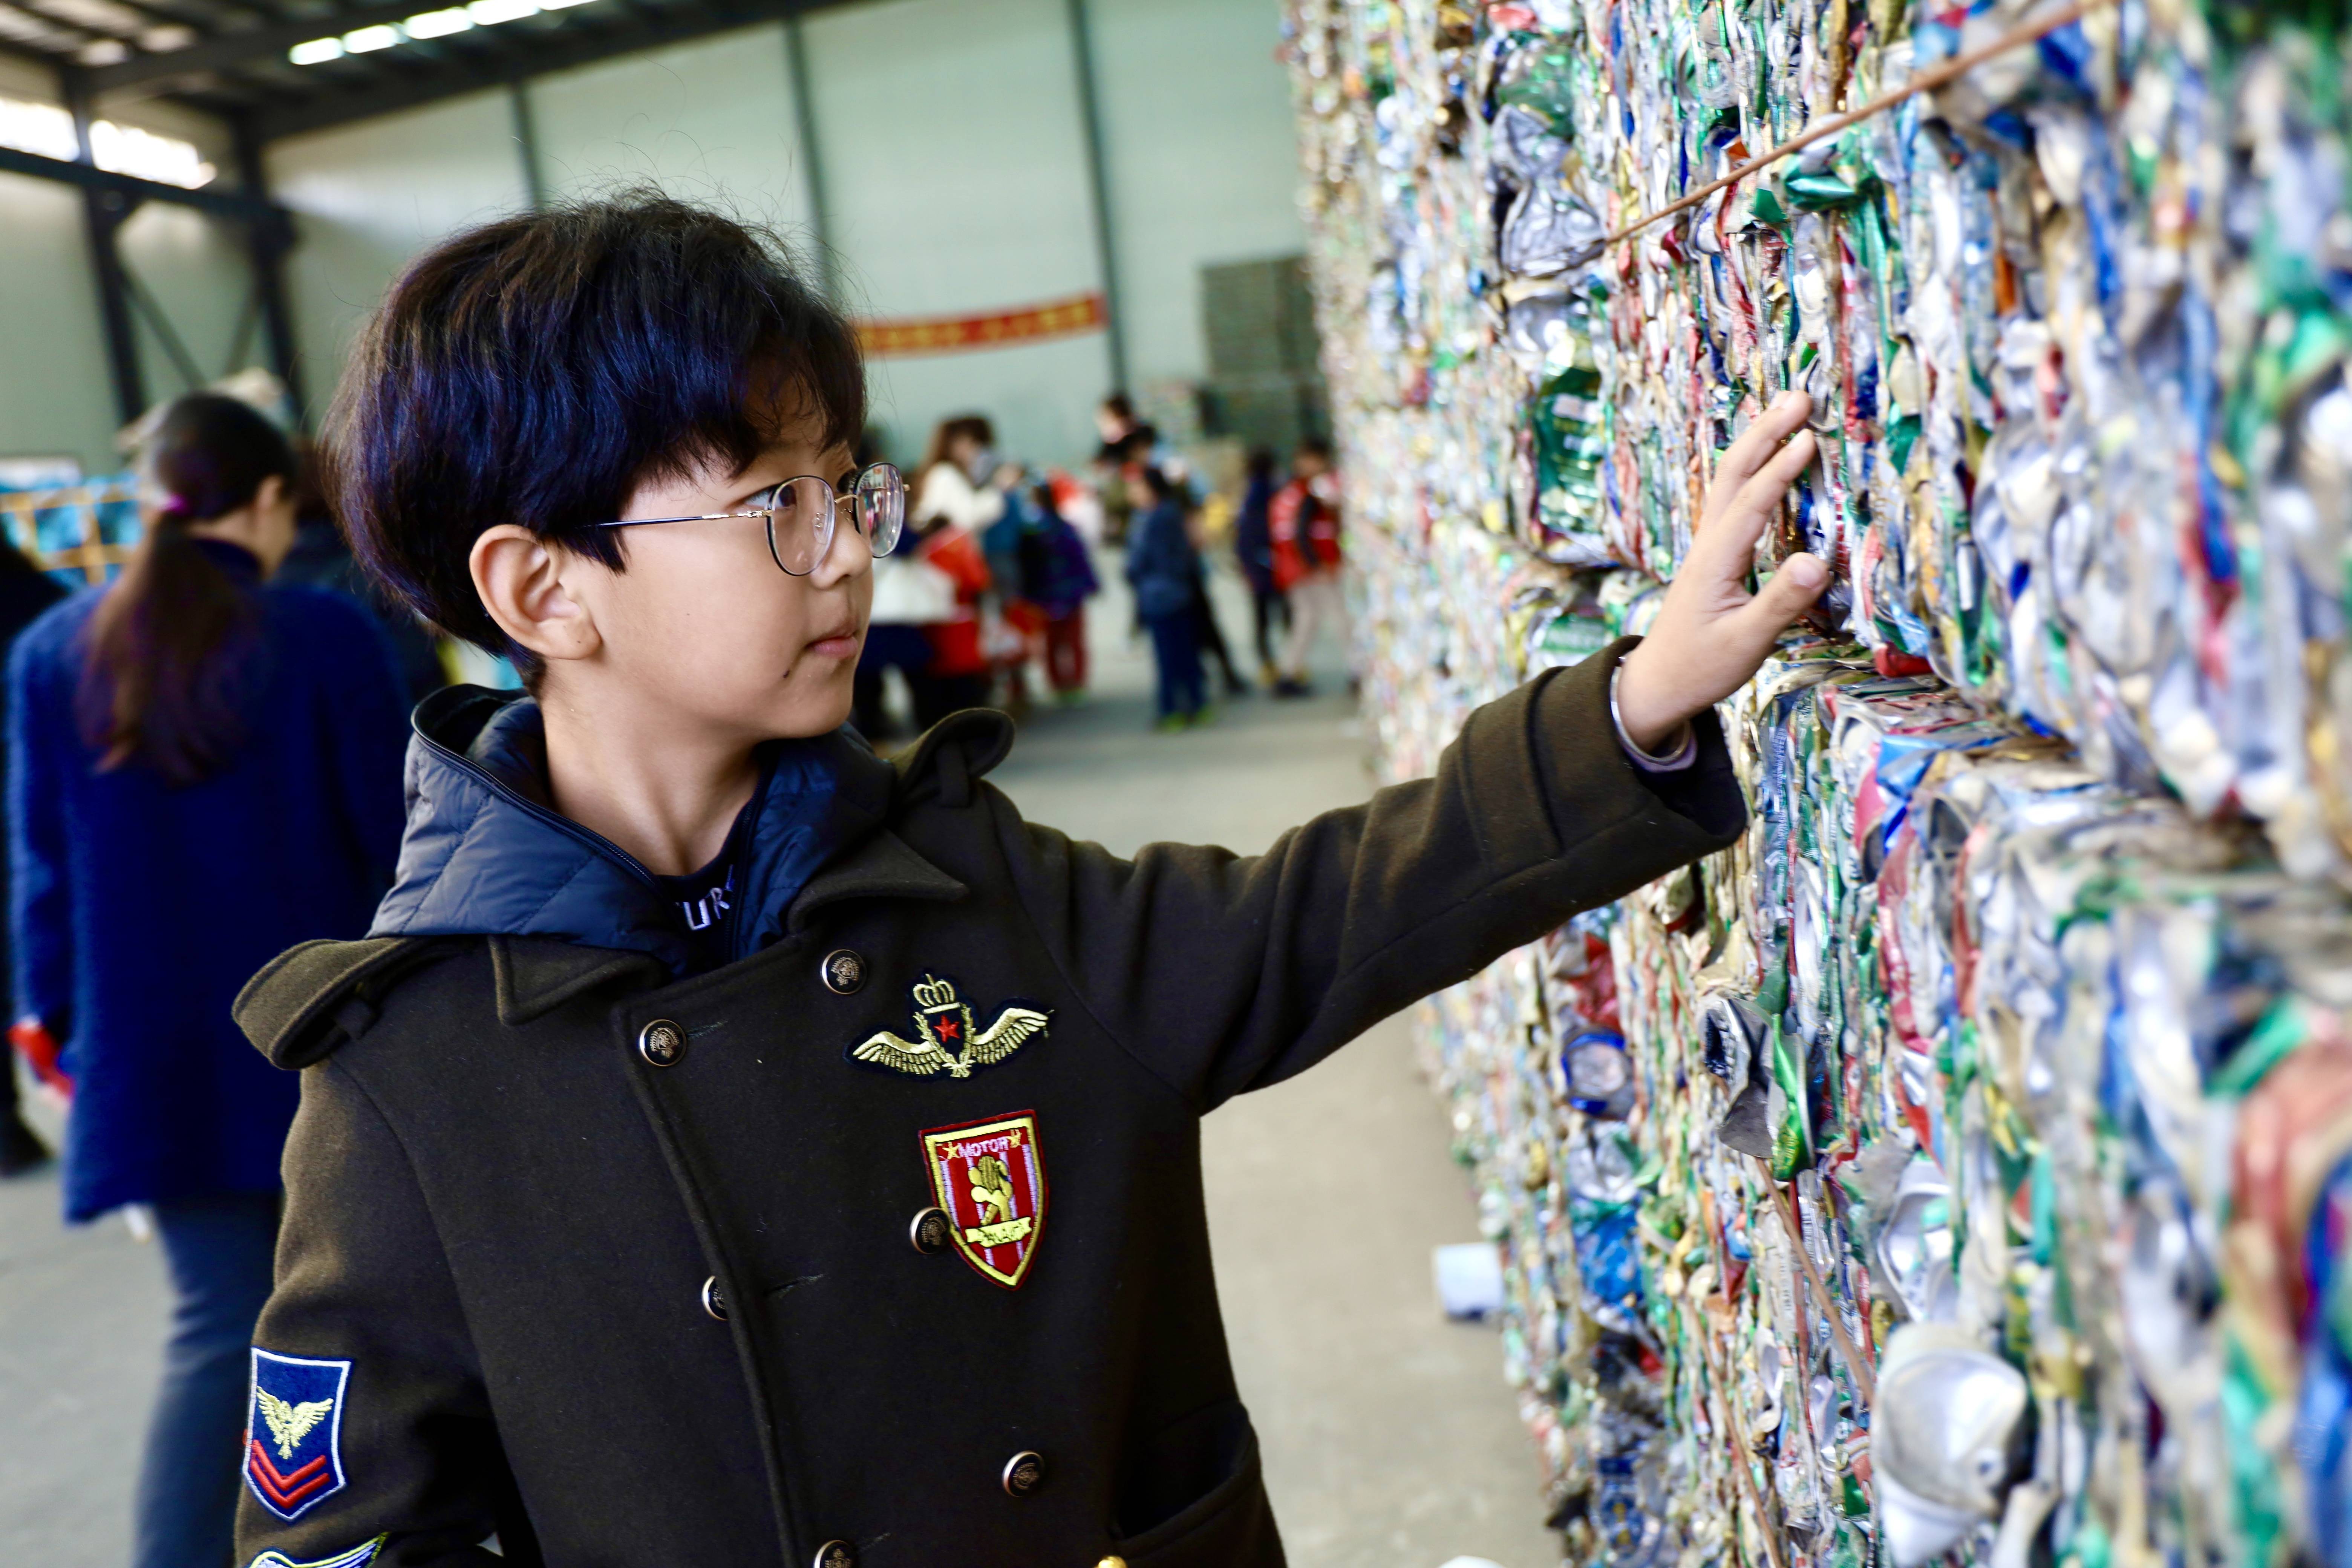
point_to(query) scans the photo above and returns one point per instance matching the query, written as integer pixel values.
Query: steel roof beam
(133, 189)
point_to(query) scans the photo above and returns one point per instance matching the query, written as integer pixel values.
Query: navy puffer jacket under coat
(139, 908)
(488, 851)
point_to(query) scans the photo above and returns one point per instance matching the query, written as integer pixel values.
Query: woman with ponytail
(204, 769)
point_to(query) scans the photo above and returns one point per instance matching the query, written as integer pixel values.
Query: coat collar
(301, 1008)
(486, 854)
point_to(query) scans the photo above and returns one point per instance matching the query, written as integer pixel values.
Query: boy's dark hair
(537, 369)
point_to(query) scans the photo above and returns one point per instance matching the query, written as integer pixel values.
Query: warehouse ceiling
(238, 59)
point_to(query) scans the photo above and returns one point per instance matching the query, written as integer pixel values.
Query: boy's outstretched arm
(1223, 974)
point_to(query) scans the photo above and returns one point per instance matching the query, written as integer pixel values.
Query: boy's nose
(850, 556)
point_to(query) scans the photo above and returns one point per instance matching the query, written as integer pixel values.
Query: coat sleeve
(362, 1285)
(40, 899)
(1223, 974)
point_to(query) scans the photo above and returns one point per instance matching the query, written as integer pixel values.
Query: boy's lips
(836, 645)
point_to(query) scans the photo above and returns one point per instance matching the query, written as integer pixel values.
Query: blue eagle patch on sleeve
(359, 1556)
(293, 1436)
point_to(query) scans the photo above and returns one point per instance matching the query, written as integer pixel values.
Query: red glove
(39, 1049)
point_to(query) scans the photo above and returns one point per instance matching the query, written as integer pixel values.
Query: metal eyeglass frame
(894, 488)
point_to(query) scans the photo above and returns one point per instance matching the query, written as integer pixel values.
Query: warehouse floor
(1391, 1440)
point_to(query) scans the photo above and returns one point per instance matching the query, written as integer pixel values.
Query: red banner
(909, 335)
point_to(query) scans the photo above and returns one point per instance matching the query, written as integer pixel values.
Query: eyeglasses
(801, 514)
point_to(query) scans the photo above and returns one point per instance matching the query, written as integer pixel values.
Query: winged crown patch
(947, 1039)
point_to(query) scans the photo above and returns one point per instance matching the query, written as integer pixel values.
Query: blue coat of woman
(140, 910)
(1162, 563)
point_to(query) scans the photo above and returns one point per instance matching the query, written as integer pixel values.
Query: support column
(103, 213)
(526, 135)
(267, 242)
(1098, 182)
(812, 158)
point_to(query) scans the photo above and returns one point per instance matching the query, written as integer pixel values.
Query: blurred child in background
(1253, 553)
(25, 592)
(1165, 572)
(1057, 578)
(1304, 521)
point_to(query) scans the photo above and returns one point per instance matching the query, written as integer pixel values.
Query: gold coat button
(835, 1555)
(844, 971)
(661, 1043)
(713, 1303)
(1112, 1563)
(1024, 1473)
(929, 1231)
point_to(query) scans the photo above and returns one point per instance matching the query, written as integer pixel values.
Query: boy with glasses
(730, 1147)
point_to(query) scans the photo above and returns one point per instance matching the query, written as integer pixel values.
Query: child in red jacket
(1304, 522)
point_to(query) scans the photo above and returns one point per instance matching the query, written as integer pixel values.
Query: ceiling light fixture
(317, 51)
(364, 40)
(490, 12)
(438, 24)
(47, 129)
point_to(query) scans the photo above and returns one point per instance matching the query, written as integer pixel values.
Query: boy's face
(707, 625)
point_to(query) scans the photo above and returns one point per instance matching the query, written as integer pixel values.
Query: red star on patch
(948, 1028)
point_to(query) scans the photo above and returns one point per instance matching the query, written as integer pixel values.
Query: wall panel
(711, 121)
(1200, 154)
(54, 396)
(195, 269)
(370, 195)
(955, 167)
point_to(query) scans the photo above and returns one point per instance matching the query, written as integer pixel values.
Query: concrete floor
(1391, 1440)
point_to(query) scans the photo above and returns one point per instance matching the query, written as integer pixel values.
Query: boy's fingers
(1759, 495)
(1728, 542)
(1740, 461)
(1798, 582)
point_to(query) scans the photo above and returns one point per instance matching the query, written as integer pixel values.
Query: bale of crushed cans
(1961, 1165)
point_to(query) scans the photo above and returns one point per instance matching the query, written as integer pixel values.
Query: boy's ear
(520, 577)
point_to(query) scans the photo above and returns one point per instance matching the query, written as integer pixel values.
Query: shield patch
(990, 1178)
(294, 1432)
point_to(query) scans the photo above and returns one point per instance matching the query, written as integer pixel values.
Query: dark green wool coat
(507, 1200)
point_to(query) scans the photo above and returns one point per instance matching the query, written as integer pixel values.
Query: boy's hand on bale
(1711, 633)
